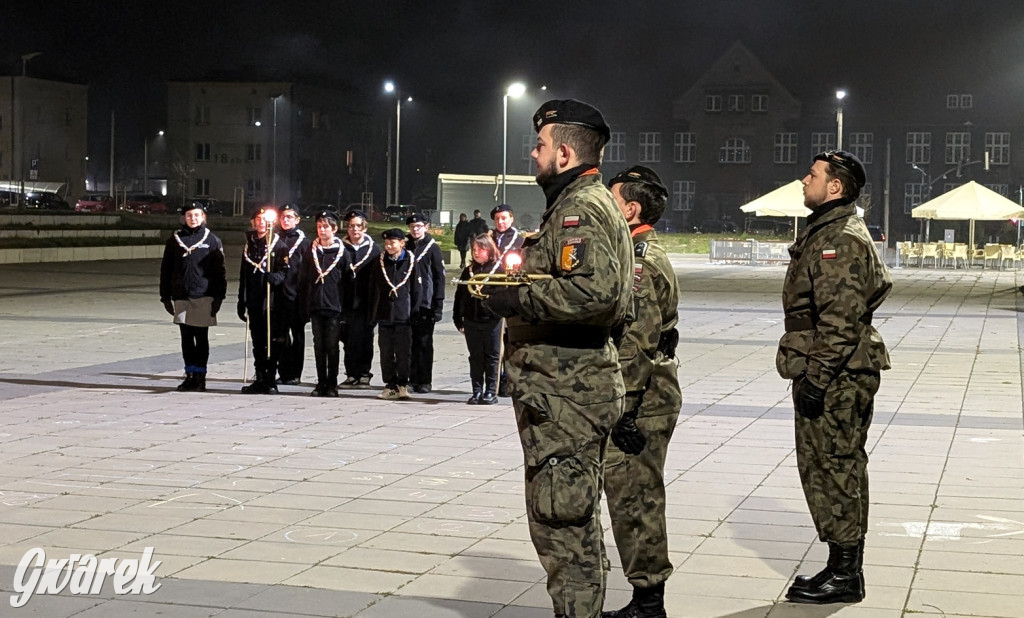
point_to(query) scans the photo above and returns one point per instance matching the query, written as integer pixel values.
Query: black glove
(215, 306)
(276, 278)
(503, 301)
(241, 310)
(626, 435)
(169, 306)
(437, 315)
(808, 399)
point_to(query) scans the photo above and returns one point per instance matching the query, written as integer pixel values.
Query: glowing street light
(840, 95)
(514, 90)
(390, 88)
(145, 162)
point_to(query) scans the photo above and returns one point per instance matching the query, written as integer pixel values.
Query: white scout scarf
(291, 252)
(501, 258)
(256, 267)
(320, 273)
(425, 249)
(366, 241)
(394, 288)
(189, 250)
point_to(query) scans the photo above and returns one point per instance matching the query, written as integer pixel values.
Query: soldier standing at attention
(193, 284)
(635, 463)
(563, 367)
(289, 251)
(430, 279)
(835, 283)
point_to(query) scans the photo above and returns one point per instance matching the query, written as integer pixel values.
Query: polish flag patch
(571, 221)
(828, 254)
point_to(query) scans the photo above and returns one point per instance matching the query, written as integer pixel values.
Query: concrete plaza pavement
(292, 505)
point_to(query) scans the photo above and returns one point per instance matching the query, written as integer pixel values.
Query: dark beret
(571, 111)
(328, 215)
(193, 206)
(393, 234)
(355, 213)
(416, 217)
(288, 207)
(846, 161)
(501, 208)
(641, 175)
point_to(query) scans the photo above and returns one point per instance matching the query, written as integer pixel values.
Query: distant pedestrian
(478, 225)
(430, 276)
(357, 319)
(320, 288)
(834, 356)
(193, 284)
(463, 234)
(481, 327)
(396, 290)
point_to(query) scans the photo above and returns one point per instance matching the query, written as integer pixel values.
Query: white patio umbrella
(786, 201)
(969, 202)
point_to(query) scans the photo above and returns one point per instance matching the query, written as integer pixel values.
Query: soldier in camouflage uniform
(563, 367)
(635, 464)
(835, 283)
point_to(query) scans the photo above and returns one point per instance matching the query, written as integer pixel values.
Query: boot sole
(847, 598)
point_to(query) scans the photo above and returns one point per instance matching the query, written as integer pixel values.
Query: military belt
(796, 324)
(562, 335)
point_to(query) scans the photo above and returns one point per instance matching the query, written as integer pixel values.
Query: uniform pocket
(563, 490)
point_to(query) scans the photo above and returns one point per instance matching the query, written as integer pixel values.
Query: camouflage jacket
(835, 282)
(656, 302)
(559, 343)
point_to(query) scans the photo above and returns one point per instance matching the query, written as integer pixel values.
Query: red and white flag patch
(571, 221)
(828, 254)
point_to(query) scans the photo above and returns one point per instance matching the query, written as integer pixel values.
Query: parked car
(145, 204)
(715, 226)
(213, 207)
(45, 201)
(397, 213)
(876, 232)
(95, 202)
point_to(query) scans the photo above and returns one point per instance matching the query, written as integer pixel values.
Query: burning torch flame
(513, 262)
(270, 216)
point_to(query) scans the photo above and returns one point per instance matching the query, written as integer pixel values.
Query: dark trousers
(326, 328)
(258, 333)
(395, 342)
(357, 335)
(195, 347)
(422, 368)
(462, 257)
(291, 341)
(483, 339)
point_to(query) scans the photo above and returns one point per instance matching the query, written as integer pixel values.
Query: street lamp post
(273, 179)
(389, 87)
(145, 162)
(21, 121)
(840, 95)
(515, 90)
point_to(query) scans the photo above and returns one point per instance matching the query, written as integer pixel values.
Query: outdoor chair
(992, 252)
(1007, 253)
(958, 252)
(930, 250)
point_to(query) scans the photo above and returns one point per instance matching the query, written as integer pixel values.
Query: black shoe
(646, 603)
(318, 391)
(199, 384)
(488, 399)
(260, 386)
(331, 391)
(843, 582)
(422, 388)
(475, 399)
(289, 382)
(188, 384)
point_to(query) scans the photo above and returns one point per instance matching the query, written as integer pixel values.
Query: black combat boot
(489, 398)
(199, 385)
(646, 603)
(813, 581)
(188, 384)
(258, 386)
(841, 582)
(478, 389)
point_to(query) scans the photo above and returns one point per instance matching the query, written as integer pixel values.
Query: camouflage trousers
(564, 446)
(635, 484)
(832, 461)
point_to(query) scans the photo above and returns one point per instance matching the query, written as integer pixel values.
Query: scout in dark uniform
(509, 240)
(289, 251)
(357, 322)
(323, 272)
(635, 464)
(481, 327)
(430, 275)
(563, 366)
(396, 293)
(252, 301)
(834, 356)
(193, 284)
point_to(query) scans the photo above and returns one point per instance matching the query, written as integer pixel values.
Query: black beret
(641, 175)
(393, 234)
(258, 214)
(329, 215)
(417, 217)
(288, 207)
(846, 161)
(355, 213)
(193, 206)
(571, 111)
(501, 208)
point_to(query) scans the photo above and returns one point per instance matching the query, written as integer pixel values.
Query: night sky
(457, 57)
